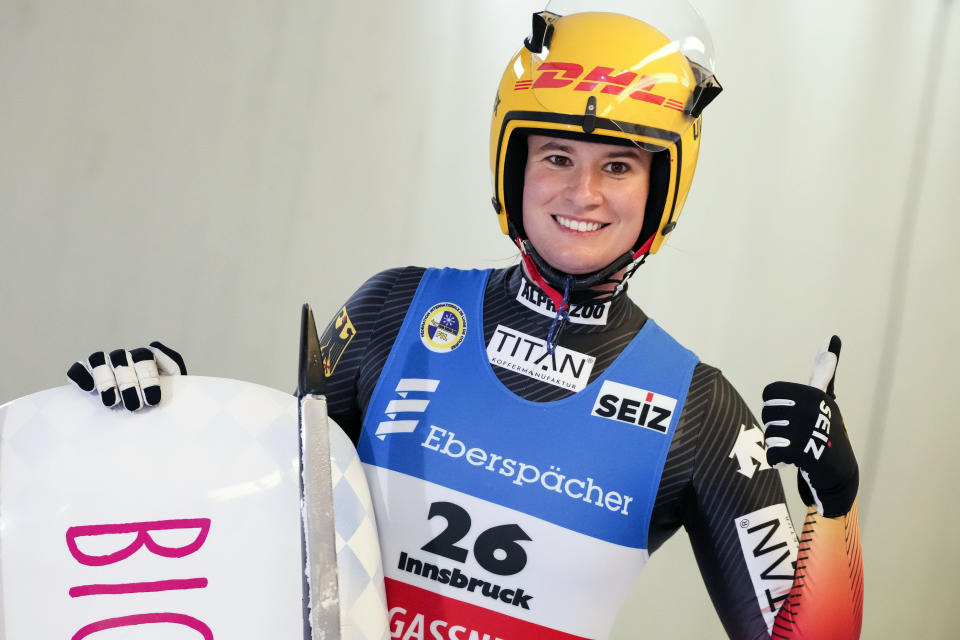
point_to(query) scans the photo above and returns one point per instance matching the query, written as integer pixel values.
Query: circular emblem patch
(443, 327)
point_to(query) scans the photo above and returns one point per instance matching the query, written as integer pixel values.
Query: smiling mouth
(579, 225)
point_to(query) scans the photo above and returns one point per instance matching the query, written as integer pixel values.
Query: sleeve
(826, 600)
(356, 343)
(746, 547)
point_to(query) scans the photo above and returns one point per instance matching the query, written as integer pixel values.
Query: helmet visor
(638, 69)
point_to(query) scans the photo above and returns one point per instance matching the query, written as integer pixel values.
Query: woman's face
(583, 202)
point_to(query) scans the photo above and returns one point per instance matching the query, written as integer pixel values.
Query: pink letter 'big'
(142, 529)
(143, 539)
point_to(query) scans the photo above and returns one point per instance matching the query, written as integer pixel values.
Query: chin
(581, 258)
(576, 268)
(580, 271)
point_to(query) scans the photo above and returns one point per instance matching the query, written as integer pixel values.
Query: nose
(584, 188)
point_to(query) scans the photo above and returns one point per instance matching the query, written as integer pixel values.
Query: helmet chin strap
(553, 281)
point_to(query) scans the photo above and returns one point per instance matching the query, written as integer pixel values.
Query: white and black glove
(803, 426)
(130, 376)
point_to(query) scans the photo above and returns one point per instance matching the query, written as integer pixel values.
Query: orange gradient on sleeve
(826, 601)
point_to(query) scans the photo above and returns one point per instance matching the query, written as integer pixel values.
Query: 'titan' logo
(634, 406)
(749, 451)
(406, 405)
(770, 550)
(525, 354)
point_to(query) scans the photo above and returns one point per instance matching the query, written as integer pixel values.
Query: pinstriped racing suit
(764, 582)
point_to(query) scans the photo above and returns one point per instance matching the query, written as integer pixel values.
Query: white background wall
(193, 172)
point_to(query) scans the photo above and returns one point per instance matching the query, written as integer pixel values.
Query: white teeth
(575, 225)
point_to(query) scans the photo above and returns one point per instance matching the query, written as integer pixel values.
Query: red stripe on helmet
(645, 248)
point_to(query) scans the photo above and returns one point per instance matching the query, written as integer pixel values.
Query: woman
(529, 435)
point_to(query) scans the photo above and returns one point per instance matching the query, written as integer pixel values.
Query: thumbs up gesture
(803, 426)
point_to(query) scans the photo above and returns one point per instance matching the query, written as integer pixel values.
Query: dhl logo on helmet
(557, 75)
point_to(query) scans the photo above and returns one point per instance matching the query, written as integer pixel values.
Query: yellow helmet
(604, 77)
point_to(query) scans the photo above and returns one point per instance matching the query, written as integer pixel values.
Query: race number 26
(497, 549)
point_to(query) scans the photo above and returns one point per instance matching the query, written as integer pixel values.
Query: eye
(558, 160)
(618, 168)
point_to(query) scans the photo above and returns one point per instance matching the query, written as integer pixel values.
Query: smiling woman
(465, 390)
(601, 79)
(583, 202)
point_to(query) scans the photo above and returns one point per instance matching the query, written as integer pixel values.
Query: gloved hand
(803, 426)
(131, 376)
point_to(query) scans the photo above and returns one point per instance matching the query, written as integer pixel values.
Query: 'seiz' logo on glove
(804, 428)
(820, 431)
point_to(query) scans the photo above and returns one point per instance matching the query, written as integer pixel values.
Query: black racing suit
(710, 479)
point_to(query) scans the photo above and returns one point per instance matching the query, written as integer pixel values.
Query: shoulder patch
(443, 327)
(336, 338)
(749, 451)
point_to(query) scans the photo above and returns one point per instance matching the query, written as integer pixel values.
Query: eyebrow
(622, 152)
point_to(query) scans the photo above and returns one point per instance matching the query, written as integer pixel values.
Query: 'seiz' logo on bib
(634, 406)
(525, 354)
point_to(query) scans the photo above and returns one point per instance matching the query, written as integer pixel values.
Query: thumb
(825, 366)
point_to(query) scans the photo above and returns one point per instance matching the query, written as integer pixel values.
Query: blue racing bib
(501, 515)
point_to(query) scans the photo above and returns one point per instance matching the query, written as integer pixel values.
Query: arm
(804, 427)
(355, 345)
(357, 341)
(826, 600)
(744, 541)
(734, 511)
